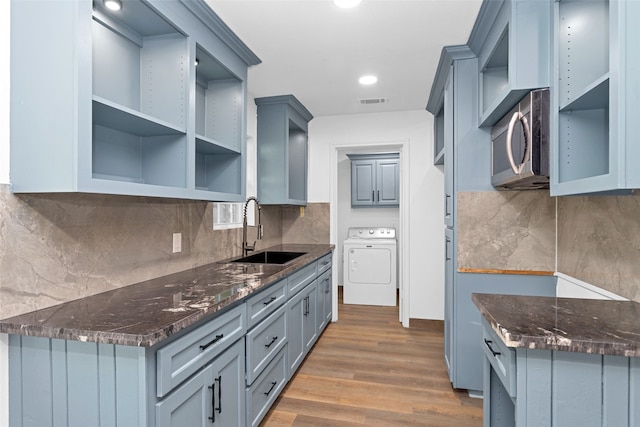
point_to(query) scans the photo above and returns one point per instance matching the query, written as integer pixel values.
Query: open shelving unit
(594, 110)
(149, 100)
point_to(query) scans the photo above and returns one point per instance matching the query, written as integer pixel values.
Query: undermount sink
(269, 257)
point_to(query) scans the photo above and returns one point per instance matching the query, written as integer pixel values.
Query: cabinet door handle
(306, 306)
(446, 249)
(212, 418)
(273, 384)
(373, 195)
(272, 299)
(446, 205)
(378, 195)
(213, 341)
(219, 381)
(274, 339)
(488, 344)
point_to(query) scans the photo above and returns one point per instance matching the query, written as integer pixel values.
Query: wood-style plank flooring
(366, 369)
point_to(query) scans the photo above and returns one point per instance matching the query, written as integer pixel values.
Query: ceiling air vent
(369, 101)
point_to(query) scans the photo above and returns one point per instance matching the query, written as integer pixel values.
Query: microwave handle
(518, 116)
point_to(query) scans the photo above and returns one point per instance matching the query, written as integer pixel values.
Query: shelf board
(594, 96)
(115, 116)
(211, 146)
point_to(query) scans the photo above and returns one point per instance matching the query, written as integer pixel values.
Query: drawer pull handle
(213, 341)
(488, 344)
(272, 299)
(273, 384)
(274, 339)
(325, 263)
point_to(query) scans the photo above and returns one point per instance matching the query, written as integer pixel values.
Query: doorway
(340, 220)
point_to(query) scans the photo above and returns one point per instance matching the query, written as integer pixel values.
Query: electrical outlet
(177, 242)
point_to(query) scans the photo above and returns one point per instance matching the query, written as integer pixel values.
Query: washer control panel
(371, 233)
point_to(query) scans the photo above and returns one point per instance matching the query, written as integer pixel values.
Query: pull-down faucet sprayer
(245, 246)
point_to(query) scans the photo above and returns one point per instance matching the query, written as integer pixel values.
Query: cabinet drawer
(266, 302)
(262, 394)
(184, 356)
(264, 341)
(301, 278)
(324, 263)
(501, 357)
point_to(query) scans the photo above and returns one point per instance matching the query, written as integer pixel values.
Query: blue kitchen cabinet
(148, 101)
(282, 150)
(375, 180)
(215, 396)
(467, 162)
(595, 97)
(301, 323)
(325, 301)
(512, 39)
(529, 387)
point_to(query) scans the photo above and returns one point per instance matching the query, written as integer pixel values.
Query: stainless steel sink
(269, 257)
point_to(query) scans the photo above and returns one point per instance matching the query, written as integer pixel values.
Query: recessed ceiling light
(113, 4)
(368, 80)
(347, 3)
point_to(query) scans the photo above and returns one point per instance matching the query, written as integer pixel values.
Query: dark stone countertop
(145, 313)
(565, 324)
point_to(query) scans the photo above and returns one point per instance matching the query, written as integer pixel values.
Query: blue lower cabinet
(217, 373)
(525, 387)
(302, 330)
(215, 396)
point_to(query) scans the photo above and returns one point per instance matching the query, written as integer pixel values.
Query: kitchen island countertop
(566, 324)
(145, 313)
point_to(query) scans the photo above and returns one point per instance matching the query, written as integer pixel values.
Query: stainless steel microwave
(520, 145)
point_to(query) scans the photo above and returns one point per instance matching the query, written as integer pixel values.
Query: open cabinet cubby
(438, 137)
(495, 74)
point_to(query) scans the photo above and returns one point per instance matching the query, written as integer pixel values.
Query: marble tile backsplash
(59, 247)
(599, 242)
(506, 230)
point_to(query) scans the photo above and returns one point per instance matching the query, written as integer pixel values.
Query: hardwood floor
(366, 369)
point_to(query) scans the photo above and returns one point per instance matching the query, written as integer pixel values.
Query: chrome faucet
(245, 246)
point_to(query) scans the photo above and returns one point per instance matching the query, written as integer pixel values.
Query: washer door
(369, 265)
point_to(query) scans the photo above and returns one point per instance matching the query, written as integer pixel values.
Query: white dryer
(370, 266)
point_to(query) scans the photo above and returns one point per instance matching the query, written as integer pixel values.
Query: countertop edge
(549, 340)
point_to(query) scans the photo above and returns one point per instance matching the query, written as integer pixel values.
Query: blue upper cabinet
(282, 150)
(375, 180)
(512, 39)
(596, 90)
(148, 101)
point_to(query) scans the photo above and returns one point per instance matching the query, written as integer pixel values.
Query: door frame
(402, 147)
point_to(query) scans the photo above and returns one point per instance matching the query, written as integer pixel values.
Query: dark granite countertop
(145, 313)
(566, 324)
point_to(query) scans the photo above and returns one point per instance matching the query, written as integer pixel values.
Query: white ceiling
(317, 51)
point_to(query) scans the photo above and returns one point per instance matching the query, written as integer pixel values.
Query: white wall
(426, 191)
(4, 179)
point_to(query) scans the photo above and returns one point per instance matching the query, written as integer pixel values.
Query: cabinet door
(295, 346)
(190, 404)
(309, 306)
(214, 396)
(229, 393)
(324, 300)
(449, 171)
(387, 180)
(362, 182)
(449, 265)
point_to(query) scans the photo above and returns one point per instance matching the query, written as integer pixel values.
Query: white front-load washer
(370, 266)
